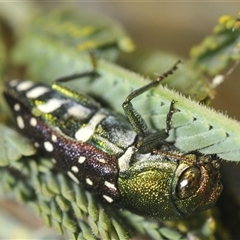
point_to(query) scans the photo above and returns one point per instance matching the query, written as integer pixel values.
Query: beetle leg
(57, 84)
(149, 141)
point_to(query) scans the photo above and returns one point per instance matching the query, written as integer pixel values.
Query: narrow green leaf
(69, 223)
(87, 234)
(93, 225)
(120, 232)
(62, 203)
(92, 207)
(167, 233)
(46, 219)
(77, 211)
(55, 212)
(104, 221)
(13, 146)
(81, 199)
(58, 227)
(217, 50)
(53, 185)
(45, 206)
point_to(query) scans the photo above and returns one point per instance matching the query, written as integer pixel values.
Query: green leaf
(13, 146)
(196, 126)
(192, 121)
(186, 80)
(170, 234)
(217, 50)
(81, 31)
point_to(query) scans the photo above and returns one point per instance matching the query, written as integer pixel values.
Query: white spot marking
(110, 200)
(73, 177)
(89, 181)
(36, 144)
(36, 92)
(78, 111)
(52, 105)
(22, 86)
(74, 169)
(110, 185)
(48, 146)
(184, 183)
(33, 122)
(101, 160)
(20, 122)
(54, 138)
(84, 133)
(16, 107)
(81, 159)
(124, 160)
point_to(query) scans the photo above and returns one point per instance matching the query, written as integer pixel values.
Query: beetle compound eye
(188, 183)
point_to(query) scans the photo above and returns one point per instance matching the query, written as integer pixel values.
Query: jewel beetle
(115, 156)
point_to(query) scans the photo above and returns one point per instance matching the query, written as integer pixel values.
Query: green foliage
(13, 146)
(216, 51)
(52, 46)
(192, 120)
(186, 80)
(81, 32)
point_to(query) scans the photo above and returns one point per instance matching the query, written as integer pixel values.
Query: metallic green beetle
(115, 156)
